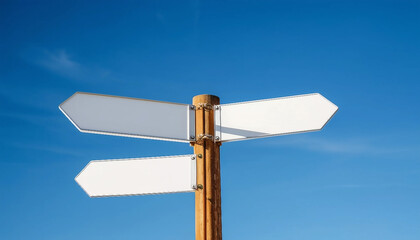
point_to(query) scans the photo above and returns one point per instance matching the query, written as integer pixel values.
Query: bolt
(217, 138)
(200, 155)
(192, 137)
(199, 186)
(192, 107)
(217, 107)
(192, 158)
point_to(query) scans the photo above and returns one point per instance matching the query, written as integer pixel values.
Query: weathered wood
(208, 223)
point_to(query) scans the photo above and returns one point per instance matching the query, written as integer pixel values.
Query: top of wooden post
(206, 98)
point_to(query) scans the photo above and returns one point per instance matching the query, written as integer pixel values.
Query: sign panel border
(193, 176)
(190, 120)
(219, 124)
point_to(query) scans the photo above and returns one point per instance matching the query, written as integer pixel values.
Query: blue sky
(358, 178)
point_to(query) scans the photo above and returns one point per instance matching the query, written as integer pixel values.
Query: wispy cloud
(60, 62)
(354, 145)
(65, 64)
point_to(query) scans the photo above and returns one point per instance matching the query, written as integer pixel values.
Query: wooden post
(208, 214)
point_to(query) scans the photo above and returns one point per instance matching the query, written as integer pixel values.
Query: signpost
(139, 176)
(205, 125)
(130, 117)
(272, 117)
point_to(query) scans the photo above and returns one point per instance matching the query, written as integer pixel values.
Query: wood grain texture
(207, 200)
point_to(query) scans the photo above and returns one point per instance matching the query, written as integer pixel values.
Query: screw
(200, 155)
(192, 107)
(192, 137)
(217, 138)
(192, 158)
(199, 186)
(217, 107)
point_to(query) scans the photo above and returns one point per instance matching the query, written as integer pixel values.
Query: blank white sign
(131, 117)
(271, 117)
(139, 176)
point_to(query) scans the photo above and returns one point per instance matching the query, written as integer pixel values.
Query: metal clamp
(205, 106)
(204, 137)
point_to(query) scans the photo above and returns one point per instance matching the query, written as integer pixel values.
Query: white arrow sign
(139, 176)
(271, 117)
(130, 117)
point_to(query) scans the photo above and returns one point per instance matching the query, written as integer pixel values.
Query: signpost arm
(208, 222)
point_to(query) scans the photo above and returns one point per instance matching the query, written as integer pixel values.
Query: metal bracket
(217, 123)
(205, 106)
(194, 172)
(191, 123)
(204, 136)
